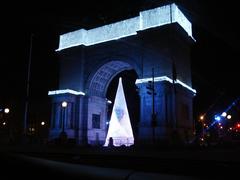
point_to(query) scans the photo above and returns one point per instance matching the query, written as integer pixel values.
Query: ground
(119, 163)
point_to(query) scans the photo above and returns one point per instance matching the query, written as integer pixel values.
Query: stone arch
(97, 104)
(103, 52)
(99, 80)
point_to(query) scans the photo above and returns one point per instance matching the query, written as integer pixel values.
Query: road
(74, 163)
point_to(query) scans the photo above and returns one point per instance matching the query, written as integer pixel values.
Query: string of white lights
(165, 78)
(64, 91)
(147, 19)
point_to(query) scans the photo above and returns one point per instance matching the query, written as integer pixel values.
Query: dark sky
(215, 54)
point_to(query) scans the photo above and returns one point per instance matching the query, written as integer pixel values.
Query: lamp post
(6, 122)
(64, 106)
(202, 120)
(151, 91)
(26, 113)
(42, 134)
(5, 111)
(63, 135)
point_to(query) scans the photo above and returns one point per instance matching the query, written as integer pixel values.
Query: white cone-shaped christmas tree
(120, 129)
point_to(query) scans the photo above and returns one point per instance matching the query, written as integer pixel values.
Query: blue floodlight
(217, 118)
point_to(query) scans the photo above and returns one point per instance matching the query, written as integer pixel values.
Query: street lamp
(224, 114)
(63, 135)
(64, 105)
(152, 91)
(229, 116)
(201, 120)
(7, 122)
(4, 116)
(6, 110)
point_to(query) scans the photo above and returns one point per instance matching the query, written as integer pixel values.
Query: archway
(102, 88)
(131, 94)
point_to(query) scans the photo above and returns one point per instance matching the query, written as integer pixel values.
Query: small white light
(42, 123)
(64, 104)
(6, 110)
(4, 123)
(229, 116)
(224, 114)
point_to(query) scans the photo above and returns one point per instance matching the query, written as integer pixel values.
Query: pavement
(119, 163)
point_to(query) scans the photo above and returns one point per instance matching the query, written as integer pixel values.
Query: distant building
(158, 39)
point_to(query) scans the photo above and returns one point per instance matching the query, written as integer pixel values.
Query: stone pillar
(184, 111)
(96, 120)
(70, 115)
(163, 110)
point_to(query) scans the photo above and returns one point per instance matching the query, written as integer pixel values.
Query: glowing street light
(6, 110)
(64, 105)
(63, 134)
(238, 125)
(42, 123)
(201, 117)
(229, 116)
(224, 114)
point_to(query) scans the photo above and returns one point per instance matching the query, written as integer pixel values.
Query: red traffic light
(238, 125)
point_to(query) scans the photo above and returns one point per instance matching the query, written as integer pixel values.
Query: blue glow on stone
(147, 19)
(64, 91)
(165, 78)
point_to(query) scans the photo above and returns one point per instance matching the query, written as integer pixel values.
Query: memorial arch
(98, 103)
(158, 39)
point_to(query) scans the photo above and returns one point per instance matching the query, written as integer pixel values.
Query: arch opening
(102, 77)
(131, 94)
(103, 87)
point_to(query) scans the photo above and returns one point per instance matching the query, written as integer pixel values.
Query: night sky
(215, 54)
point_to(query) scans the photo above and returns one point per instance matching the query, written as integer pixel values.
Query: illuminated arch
(100, 80)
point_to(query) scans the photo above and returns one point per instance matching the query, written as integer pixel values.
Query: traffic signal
(238, 126)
